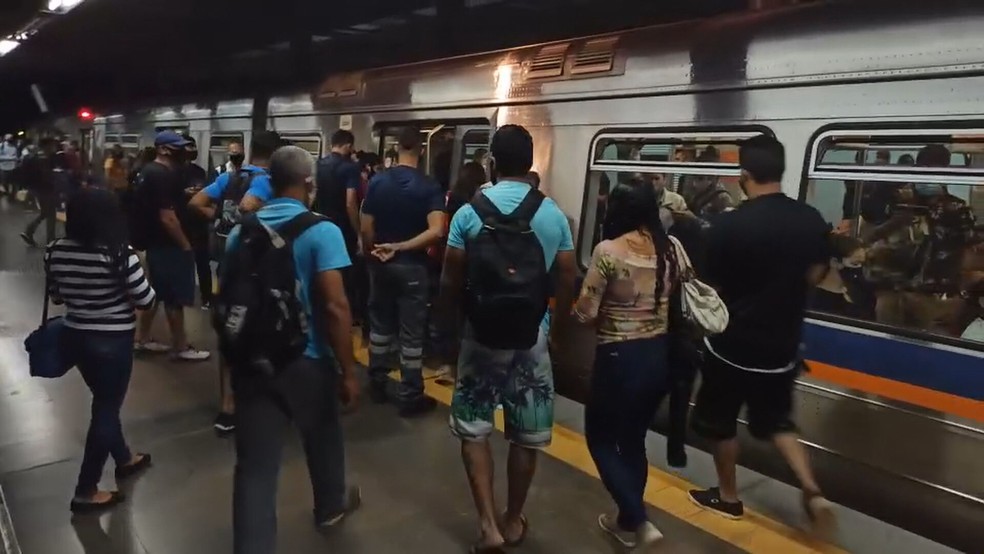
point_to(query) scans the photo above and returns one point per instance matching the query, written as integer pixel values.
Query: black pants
(398, 322)
(49, 205)
(305, 394)
(203, 265)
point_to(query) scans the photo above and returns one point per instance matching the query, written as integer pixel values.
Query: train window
(908, 207)
(475, 146)
(697, 172)
(313, 143)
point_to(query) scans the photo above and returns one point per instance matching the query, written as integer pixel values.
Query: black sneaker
(224, 423)
(377, 392)
(353, 501)
(415, 408)
(29, 240)
(711, 500)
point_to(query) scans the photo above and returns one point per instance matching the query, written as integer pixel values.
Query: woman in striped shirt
(100, 281)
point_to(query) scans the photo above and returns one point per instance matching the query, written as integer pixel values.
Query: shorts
(724, 389)
(520, 380)
(172, 274)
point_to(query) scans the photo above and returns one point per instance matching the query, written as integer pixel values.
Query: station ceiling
(109, 54)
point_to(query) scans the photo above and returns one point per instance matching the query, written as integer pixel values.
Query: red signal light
(86, 114)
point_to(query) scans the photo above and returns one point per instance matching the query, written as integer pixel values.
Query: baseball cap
(170, 139)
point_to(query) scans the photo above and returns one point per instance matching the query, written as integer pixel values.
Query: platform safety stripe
(755, 533)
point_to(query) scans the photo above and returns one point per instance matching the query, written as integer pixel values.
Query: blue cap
(170, 139)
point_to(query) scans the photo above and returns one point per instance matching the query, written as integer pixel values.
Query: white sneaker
(647, 535)
(151, 346)
(190, 354)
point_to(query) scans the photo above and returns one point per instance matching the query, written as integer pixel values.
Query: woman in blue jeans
(626, 295)
(100, 281)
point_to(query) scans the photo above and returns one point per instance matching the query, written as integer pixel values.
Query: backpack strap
(484, 208)
(300, 223)
(528, 207)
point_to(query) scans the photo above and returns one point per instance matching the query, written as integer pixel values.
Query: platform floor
(416, 498)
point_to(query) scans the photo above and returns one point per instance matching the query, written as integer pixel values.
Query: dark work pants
(49, 205)
(629, 380)
(203, 266)
(305, 394)
(105, 360)
(398, 299)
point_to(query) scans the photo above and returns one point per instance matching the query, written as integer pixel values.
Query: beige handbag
(699, 302)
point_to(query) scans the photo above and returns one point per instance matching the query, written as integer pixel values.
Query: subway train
(851, 90)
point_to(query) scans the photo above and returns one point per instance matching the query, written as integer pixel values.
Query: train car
(852, 92)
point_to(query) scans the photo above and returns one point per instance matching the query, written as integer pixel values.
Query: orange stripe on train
(897, 390)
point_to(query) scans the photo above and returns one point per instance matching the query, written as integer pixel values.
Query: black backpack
(259, 318)
(507, 286)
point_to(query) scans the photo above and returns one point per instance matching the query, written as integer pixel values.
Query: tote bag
(46, 355)
(699, 302)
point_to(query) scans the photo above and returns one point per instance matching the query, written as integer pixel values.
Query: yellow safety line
(755, 533)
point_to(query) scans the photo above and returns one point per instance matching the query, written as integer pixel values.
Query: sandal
(80, 507)
(129, 470)
(522, 535)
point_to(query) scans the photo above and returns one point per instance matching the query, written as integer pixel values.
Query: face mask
(237, 159)
(929, 189)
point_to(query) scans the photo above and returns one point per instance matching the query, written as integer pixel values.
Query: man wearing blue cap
(170, 259)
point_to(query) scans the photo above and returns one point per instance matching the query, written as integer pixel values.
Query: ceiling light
(54, 5)
(7, 46)
(69, 4)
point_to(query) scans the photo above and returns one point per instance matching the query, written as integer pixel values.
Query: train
(840, 85)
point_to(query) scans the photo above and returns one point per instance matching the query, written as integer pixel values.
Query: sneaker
(711, 500)
(29, 240)
(207, 307)
(415, 408)
(609, 524)
(151, 347)
(353, 501)
(190, 354)
(225, 423)
(377, 393)
(821, 514)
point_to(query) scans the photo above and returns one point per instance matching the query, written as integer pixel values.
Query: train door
(446, 146)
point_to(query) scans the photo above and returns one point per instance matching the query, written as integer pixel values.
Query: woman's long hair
(634, 206)
(94, 219)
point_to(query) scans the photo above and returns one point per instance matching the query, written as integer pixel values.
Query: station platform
(416, 498)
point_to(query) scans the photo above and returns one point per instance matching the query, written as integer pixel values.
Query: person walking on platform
(242, 189)
(38, 174)
(170, 260)
(503, 270)
(8, 163)
(403, 214)
(99, 279)
(306, 389)
(764, 277)
(626, 294)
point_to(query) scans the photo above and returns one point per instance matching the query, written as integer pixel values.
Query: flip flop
(522, 535)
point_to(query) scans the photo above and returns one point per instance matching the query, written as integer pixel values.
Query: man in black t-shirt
(196, 228)
(764, 258)
(160, 196)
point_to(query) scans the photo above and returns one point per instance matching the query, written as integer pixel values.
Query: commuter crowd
(304, 249)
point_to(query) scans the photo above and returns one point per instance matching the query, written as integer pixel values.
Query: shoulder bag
(46, 356)
(699, 302)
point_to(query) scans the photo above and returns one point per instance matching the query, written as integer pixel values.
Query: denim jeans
(105, 360)
(398, 298)
(305, 393)
(630, 379)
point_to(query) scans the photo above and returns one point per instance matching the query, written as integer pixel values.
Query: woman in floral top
(626, 295)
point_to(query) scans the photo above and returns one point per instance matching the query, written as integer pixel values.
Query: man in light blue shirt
(521, 380)
(307, 392)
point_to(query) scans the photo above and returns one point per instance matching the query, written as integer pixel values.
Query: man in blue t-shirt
(521, 380)
(308, 391)
(217, 204)
(402, 215)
